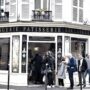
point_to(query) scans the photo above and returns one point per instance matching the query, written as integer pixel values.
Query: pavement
(4, 87)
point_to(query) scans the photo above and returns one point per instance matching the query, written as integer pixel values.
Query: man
(82, 67)
(88, 68)
(71, 68)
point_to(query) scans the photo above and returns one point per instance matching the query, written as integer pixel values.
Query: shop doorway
(38, 48)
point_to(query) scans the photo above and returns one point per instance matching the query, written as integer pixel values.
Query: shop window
(15, 53)
(67, 44)
(59, 48)
(36, 38)
(4, 53)
(24, 48)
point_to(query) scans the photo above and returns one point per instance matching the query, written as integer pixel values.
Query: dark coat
(84, 65)
(71, 66)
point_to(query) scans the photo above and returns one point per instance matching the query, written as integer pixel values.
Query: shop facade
(18, 43)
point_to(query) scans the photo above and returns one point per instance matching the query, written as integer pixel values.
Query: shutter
(58, 1)
(58, 9)
(75, 2)
(7, 6)
(74, 14)
(13, 11)
(80, 15)
(81, 3)
(25, 10)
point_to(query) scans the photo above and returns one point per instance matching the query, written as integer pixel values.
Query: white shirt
(81, 62)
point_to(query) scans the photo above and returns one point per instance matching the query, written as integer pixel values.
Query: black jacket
(84, 65)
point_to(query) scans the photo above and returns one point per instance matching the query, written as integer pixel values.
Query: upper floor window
(42, 4)
(78, 10)
(1, 2)
(58, 9)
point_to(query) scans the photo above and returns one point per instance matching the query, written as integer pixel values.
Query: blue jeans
(88, 72)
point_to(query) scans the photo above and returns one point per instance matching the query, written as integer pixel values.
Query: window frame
(78, 11)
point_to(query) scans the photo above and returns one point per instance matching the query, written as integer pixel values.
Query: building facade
(31, 26)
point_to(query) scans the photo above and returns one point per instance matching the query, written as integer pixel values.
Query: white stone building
(28, 26)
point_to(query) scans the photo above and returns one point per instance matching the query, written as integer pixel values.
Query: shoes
(70, 88)
(84, 86)
(78, 84)
(48, 86)
(52, 86)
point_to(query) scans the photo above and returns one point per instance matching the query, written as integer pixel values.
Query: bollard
(46, 77)
(80, 81)
(8, 84)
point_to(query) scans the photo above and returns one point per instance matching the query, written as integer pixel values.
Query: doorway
(39, 48)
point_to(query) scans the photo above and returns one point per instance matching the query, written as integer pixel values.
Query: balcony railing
(42, 15)
(4, 17)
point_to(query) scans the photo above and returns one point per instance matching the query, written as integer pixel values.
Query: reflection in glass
(15, 53)
(4, 53)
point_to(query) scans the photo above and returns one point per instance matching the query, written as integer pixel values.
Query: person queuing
(82, 68)
(37, 60)
(61, 71)
(71, 68)
(87, 58)
(49, 62)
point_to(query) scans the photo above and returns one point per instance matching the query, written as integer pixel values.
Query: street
(4, 87)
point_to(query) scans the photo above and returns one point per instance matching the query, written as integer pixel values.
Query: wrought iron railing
(4, 17)
(42, 15)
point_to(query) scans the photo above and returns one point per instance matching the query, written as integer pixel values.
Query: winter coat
(61, 70)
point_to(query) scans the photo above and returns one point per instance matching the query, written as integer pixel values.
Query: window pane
(58, 1)
(80, 3)
(4, 53)
(80, 15)
(75, 2)
(58, 11)
(37, 4)
(24, 48)
(74, 14)
(45, 4)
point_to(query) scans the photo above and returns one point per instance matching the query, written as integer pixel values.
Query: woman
(61, 71)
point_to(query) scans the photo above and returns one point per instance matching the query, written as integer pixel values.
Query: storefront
(18, 44)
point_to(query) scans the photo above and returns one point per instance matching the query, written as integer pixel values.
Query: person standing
(82, 68)
(88, 64)
(61, 71)
(71, 68)
(37, 68)
(49, 62)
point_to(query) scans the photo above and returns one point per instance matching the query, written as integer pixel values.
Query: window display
(15, 53)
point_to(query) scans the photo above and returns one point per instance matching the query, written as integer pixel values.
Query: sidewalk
(3, 87)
